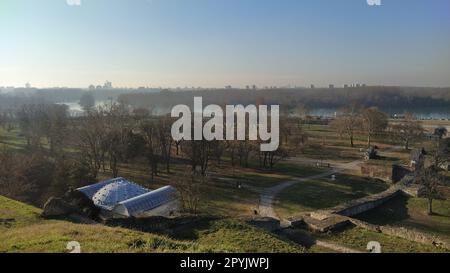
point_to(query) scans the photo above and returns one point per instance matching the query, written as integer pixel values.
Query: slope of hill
(23, 230)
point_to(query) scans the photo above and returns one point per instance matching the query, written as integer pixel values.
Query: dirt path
(268, 195)
(308, 240)
(337, 248)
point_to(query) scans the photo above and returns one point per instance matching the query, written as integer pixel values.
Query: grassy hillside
(22, 230)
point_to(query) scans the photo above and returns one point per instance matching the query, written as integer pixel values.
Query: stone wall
(377, 171)
(366, 203)
(391, 173)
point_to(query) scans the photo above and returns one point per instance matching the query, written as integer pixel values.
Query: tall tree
(407, 130)
(430, 178)
(373, 121)
(348, 122)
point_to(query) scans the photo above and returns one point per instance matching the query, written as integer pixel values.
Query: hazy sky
(214, 43)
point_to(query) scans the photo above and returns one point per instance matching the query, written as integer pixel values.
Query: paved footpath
(268, 195)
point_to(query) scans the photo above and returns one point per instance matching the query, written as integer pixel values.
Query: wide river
(421, 113)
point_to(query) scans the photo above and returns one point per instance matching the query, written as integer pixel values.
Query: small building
(120, 198)
(417, 158)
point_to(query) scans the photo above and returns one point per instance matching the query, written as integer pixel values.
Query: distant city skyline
(216, 43)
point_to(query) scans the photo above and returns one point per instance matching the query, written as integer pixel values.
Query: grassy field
(22, 230)
(324, 193)
(357, 238)
(12, 139)
(412, 213)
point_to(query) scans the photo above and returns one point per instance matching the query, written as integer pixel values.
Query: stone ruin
(72, 202)
(371, 153)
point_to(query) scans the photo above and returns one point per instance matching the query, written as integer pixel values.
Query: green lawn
(12, 139)
(296, 170)
(324, 193)
(357, 238)
(412, 213)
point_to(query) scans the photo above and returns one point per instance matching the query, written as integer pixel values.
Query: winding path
(268, 195)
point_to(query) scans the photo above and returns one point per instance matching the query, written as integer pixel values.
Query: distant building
(312, 86)
(107, 85)
(120, 198)
(345, 85)
(331, 86)
(27, 85)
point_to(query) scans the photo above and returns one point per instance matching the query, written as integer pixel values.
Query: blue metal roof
(91, 190)
(150, 200)
(116, 192)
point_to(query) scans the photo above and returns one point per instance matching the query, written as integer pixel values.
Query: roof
(126, 196)
(116, 192)
(91, 190)
(147, 201)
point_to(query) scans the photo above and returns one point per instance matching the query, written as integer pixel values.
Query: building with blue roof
(121, 198)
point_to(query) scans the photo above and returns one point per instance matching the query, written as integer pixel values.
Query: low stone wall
(405, 233)
(366, 203)
(391, 173)
(377, 171)
(329, 219)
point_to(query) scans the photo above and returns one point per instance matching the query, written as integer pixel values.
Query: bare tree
(199, 153)
(373, 121)
(430, 178)
(269, 159)
(165, 140)
(285, 130)
(348, 122)
(301, 112)
(55, 124)
(31, 119)
(91, 134)
(189, 189)
(13, 184)
(149, 132)
(407, 130)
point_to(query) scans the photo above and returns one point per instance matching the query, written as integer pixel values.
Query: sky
(214, 43)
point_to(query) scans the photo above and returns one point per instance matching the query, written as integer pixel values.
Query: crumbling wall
(377, 171)
(391, 173)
